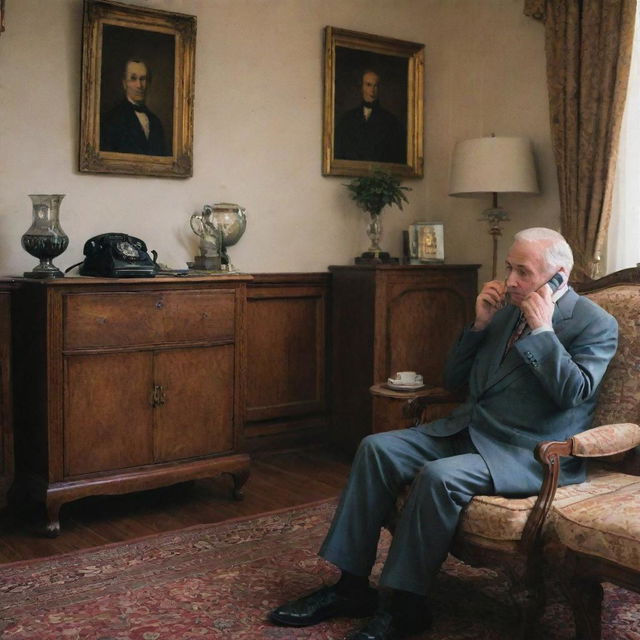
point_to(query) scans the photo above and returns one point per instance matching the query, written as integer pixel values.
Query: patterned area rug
(219, 580)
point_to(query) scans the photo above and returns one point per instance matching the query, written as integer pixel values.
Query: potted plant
(372, 194)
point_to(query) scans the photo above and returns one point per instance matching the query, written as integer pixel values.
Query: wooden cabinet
(125, 385)
(388, 318)
(286, 354)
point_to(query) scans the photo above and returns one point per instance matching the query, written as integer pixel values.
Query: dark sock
(350, 584)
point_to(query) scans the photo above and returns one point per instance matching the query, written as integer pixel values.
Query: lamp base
(495, 216)
(378, 257)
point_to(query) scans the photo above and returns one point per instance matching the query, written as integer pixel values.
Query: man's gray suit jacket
(545, 388)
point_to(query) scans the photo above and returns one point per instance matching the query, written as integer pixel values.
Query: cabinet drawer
(147, 318)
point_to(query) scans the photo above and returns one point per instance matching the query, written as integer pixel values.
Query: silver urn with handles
(219, 226)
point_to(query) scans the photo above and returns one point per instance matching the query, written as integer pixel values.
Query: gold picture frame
(122, 45)
(353, 145)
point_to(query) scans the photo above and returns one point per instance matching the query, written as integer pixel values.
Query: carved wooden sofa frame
(516, 536)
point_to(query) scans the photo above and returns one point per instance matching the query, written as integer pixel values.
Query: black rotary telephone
(117, 255)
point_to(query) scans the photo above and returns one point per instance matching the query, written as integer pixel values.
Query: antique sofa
(589, 532)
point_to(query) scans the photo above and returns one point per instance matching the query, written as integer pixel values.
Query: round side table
(394, 409)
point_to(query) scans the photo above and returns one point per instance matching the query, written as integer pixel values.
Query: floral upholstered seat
(606, 526)
(499, 522)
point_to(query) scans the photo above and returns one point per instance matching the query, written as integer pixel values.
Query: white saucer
(397, 386)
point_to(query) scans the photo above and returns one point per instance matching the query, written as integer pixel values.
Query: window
(623, 242)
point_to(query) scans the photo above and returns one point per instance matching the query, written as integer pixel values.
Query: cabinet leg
(52, 529)
(239, 479)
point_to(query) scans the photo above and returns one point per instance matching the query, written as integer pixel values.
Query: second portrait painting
(373, 104)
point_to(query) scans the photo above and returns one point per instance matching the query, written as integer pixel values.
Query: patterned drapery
(588, 48)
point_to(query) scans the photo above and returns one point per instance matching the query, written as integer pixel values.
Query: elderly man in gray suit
(532, 361)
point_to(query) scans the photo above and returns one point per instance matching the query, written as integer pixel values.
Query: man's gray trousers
(446, 473)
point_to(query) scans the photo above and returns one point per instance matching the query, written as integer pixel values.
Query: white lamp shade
(492, 165)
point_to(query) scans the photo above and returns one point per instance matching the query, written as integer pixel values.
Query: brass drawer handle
(158, 395)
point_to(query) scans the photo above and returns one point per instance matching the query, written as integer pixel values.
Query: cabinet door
(285, 354)
(107, 412)
(195, 414)
(423, 323)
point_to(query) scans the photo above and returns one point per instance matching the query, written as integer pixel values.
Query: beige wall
(258, 108)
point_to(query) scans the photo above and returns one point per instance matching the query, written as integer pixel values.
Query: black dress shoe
(381, 627)
(323, 604)
(385, 626)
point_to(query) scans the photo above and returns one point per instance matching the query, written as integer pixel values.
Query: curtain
(588, 48)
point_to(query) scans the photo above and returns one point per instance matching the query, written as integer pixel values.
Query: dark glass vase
(45, 238)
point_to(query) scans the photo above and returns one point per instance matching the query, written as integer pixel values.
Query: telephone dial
(117, 255)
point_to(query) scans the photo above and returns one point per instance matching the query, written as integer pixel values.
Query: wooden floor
(277, 481)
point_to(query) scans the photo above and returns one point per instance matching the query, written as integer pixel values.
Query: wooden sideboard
(285, 395)
(123, 385)
(389, 318)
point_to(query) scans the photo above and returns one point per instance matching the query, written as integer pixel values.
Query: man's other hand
(489, 300)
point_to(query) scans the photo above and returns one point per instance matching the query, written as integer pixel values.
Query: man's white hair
(557, 252)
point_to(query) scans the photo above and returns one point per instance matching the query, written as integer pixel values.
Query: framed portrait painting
(137, 90)
(373, 105)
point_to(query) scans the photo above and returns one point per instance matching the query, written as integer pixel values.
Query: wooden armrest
(433, 395)
(548, 455)
(605, 440)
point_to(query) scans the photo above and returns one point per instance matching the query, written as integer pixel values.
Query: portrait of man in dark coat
(369, 131)
(131, 127)
(371, 105)
(136, 99)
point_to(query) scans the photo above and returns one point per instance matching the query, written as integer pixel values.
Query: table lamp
(493, 165)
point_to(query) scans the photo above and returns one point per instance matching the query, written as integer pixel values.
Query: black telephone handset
(117, 255)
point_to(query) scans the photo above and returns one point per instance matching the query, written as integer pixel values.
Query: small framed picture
(426, 242)
(373, 105)
(137, 90)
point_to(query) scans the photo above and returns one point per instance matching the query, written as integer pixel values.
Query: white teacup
(407, 377)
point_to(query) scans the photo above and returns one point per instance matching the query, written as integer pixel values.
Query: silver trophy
(206, 227)
(232, 220)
